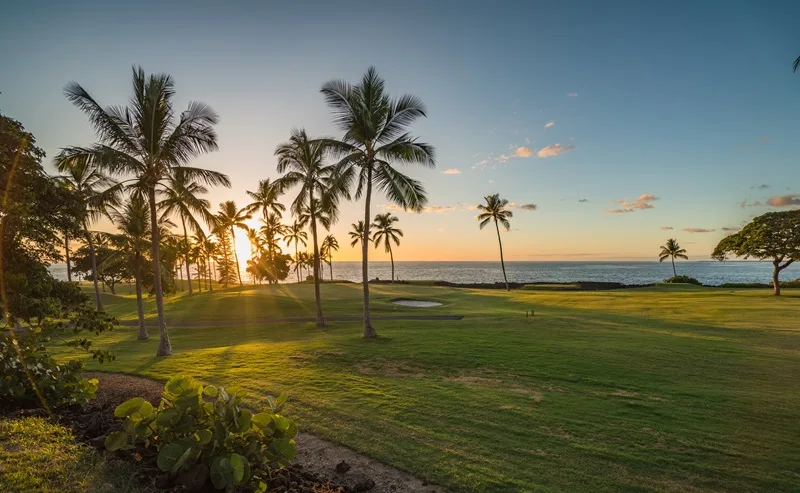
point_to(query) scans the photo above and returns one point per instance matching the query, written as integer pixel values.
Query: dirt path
(314, 453)
(151, 322)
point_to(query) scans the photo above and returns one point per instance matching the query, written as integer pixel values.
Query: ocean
(711, 273)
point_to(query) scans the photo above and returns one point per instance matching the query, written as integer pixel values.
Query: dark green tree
(672, 250)
(495, 210)
(386, 233)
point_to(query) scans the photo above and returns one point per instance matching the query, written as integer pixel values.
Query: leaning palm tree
(295, 234)
(147, 143)
(96, 192)
(328, 246)
(357, 233)
(182, 198)
(495, 210)
(385, 232)
(230, 217)
(375, 138)
(672, 251)
(265, 198)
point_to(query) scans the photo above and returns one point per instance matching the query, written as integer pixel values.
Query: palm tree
(495, 210)
(265, 198)
(357, 233)
(97, 192)
(145, 141)
(329, 245)
(672, 250)
(182, 197)
(271, 229)
(796, 64)
(295, 234)
(376, 136)
(229, 217)
(385, 232)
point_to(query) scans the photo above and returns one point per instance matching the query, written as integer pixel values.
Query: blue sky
(676, 113)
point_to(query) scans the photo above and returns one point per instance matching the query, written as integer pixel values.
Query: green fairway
(669, 388)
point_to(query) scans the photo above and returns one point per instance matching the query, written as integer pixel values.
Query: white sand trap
(417, 303)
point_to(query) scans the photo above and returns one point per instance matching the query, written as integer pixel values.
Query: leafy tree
(265, 198)
(230, 217)
(329, 245)
(295, 234)
(182, 198)
(672, 250)
(495, 210)
(109, 271)
(772, 236)
(386, 233)
(375, 138)
(227, 266)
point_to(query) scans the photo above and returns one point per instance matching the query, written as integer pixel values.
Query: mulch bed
(93, 422)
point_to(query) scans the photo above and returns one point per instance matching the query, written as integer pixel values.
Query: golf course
(663, 388)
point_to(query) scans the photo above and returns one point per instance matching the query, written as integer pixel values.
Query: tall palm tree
(230, 217)
(672, 251)
(97, 192)
(376, 136)
(495, 210)
(329, 245)
(295, 234)
(357, 233)
(265, 198)
(182, 198)
(385, 232)
(796, 64)
(271, 229)
(133, 242)
(147, 143)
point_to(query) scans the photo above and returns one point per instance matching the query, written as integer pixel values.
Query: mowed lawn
(667, 388)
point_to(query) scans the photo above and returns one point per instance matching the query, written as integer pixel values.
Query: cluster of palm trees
(138, 175)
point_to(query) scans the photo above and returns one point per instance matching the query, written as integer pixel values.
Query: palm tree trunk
(211, 276)
(369, 330)
(93, 258)
(674, 273)
(66, 249)
(297, 263)
(502, 262)
(225, 260)
(186, 255)
(330, 266)
(236, 256)
(391, 257)
(164, 346)
(317, 297)
(139, 303)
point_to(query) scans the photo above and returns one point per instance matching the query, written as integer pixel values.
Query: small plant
(204, 431)
(683, 280)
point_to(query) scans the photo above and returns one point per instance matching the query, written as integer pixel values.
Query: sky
(609, 126)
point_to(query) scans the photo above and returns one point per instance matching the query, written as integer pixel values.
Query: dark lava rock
(342, 467)
(364, 485)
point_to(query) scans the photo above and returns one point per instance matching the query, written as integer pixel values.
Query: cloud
(553, 150)
(439, 208)
(572, 94)
(644, 201)
(583, 200)
(730, 229)
(666, 228)
(491, 182)
(744, 204)
(549, 124)
(523, 152)
(763, 186)
(452, 171)
(698, 230)
(528, 207)
(481, 164)
(469, 207)
(784, 200)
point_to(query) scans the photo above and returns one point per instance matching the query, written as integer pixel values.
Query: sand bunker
(417, 303)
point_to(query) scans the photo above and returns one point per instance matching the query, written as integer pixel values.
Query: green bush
(683, 280)
(31, 378)
(204, 431)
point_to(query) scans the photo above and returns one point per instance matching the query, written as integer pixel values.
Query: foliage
(495, 210)
(206, 430)
(110, 270)
(268, 267)
(682, 280)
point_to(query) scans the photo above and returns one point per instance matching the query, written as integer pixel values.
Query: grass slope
(670, 388)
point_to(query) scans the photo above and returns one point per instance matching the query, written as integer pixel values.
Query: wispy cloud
(439, 208)
(469, 207)
(528, 207)
(756, 203)
(523, 152)
(572, 94)
(553, 150)
(549, 124)
(644, 201)
(491, 182)
(763, 186)
(784, 200)
(451, 171)
(730, 229)
(698, 230)
(666, 228)
(583, 200)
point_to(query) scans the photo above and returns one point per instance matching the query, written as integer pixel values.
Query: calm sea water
(712, 273)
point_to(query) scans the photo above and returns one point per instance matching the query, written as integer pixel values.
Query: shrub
(683, 280)
(31, 378)
(204, 432)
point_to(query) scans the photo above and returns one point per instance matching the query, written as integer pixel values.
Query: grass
(37, 455)
(668, 388)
